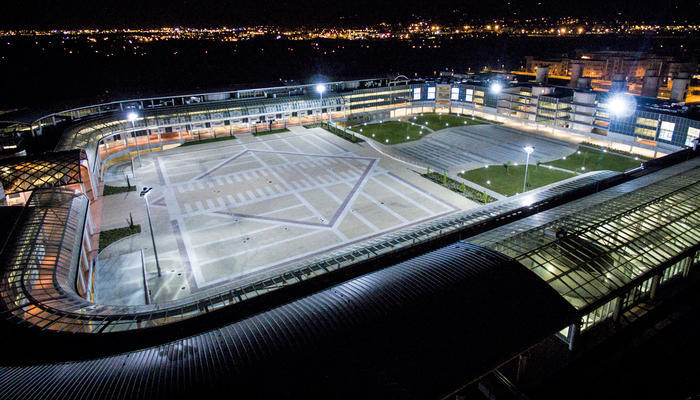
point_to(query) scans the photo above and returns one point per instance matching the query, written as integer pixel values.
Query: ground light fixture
(528, 150)
(144, 193)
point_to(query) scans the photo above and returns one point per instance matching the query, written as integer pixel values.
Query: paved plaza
(468, 147)
(233, 210)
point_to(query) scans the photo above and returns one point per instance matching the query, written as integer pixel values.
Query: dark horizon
(43, 14)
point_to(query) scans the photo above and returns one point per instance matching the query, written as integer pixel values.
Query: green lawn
(110, 236)
(393, 131)
(596, 160)
(438, 121)
(510, 182)
(218, 139)
(107, 190)
(260, 133)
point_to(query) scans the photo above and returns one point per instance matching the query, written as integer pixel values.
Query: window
(693, 133)
(666, 131)
(454, 94)
(416, 93)
(648, 122)
(431, 93)
(469, 96)
(650, 133)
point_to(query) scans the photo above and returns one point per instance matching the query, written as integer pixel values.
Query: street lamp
(132, 116)
(528, 150)
(320, 88)
(144, 193)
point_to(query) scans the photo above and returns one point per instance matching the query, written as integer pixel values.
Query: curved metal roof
(591, 249)
(372, 336)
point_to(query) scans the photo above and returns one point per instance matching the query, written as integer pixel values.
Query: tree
(464, 188)
(428, 173)
(444, 177)
(506, 165)
(486, 197)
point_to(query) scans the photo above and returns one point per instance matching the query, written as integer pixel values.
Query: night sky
(197, 13)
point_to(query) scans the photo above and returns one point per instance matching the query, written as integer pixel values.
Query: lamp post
(144, 193)
(320, 88)
(132, 116)
(528, 150)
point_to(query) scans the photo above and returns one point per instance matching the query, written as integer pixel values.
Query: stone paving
(230, 210)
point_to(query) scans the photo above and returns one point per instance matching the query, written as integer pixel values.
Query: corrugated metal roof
(454, 313)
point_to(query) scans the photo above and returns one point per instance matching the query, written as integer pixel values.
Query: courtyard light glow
(320, 88)
(496, 88)
(132, 116)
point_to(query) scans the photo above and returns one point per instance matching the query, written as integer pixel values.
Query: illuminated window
(666, 131)
(652, 123)
(431, 93)
(416, 93)
(693, 133)
(651, 133)
(469, 96)
(454, 94)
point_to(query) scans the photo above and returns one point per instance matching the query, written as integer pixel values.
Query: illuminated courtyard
(246, 208)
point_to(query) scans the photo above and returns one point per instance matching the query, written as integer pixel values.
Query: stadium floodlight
(496, 88)
(621, 105)
(528, 150)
